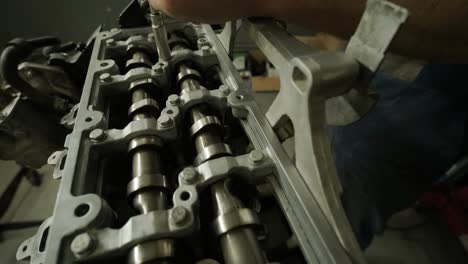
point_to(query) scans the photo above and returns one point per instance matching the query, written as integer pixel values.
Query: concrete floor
(29, 204)
(431, 243)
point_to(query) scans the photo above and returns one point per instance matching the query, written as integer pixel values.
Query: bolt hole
(240, 97)
(104, 64)
(25, 247)
(89, 119)
(82, 210)
(300, 78)
(170, 112)
(185, 196)
(62, 163)
(43, 242)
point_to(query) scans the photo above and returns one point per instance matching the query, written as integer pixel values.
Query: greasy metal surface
(209, 145)
(309, 78)
(146, 166)
(317, 240)
(308, 199)
(238, 241)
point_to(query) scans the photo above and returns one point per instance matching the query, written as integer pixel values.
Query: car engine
(168, 158)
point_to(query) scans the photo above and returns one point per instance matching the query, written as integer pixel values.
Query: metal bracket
(58, 159)
(33, 247)
(161, 224)
(308, 79)
(229, 34)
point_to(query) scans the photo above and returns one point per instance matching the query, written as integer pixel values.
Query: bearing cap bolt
(189, 175)
(256, 157)
(165, 121)
(225, 90)
(82, 244)
(110, 42)
(97, 135)
(158, 68)
(206, 50)
(179, 215)
(105, 77)
(173, 99)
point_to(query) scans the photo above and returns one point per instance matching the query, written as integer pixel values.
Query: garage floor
(29, 204)
(430, 243)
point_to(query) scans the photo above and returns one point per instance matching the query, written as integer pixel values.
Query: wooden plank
(265, 84)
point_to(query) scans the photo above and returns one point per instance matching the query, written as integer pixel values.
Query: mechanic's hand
(214, 11)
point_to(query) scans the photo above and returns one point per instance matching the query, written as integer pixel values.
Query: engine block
(172, 161)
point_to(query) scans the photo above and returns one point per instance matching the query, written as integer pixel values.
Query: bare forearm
(436, 29)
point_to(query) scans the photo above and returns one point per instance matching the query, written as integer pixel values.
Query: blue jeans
(398, 150)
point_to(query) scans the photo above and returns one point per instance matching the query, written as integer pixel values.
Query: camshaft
(238, 245)
(149, 188)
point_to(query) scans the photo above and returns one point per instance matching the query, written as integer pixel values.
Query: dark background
(67, 19)
(73, 20)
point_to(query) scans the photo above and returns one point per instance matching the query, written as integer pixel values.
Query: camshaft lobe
(146, 161)
(239, 245)
(148, 195)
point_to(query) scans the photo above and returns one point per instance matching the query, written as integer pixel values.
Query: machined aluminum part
(306, 189)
